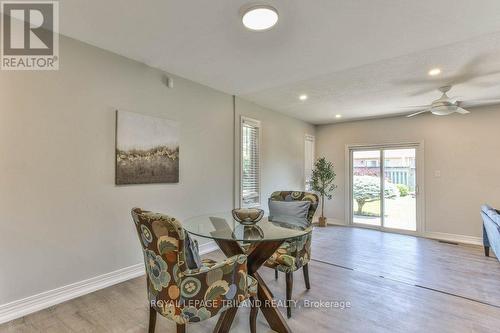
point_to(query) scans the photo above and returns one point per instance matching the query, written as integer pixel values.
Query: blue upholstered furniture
(491, 230)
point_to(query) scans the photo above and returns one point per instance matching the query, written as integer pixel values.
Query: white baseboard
(332, 221)
(463, 239)
(25, 306)
(454, 238)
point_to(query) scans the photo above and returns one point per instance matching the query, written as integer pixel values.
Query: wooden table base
(259, 253)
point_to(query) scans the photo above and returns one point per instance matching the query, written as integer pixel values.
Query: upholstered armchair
(295, 253)
(183, 294)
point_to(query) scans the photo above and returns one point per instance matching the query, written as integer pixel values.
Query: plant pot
(322, 221)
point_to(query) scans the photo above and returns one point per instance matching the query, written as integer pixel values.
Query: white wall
(283, 149)
(63, 219)
(465, 149)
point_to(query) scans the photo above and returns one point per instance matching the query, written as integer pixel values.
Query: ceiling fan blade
(416, 107)
(417, 113)
(484, 84)
(461, 111)
(472, 70)
(490, 73)
(472, 78)
(478, 102)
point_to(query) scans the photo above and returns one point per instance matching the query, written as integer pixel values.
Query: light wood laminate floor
(394, 283)
(456, 269)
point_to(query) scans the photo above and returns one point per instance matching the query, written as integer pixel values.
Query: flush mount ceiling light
(435, 71)
(260, 18)
(303, 97)
(338, 116)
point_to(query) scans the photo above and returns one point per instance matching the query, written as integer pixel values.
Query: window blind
(308, 161)
(250, 162)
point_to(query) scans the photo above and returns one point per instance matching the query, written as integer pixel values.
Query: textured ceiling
(389, 87)
(357, 58)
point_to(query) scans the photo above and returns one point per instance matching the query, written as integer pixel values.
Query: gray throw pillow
(193, 260)
(296, 209)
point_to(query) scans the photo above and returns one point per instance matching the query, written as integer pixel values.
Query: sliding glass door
(384, 187)
(400, 196)
(366, 190)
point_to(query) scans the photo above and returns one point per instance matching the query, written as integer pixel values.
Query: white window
(308, 161)
(250, 162)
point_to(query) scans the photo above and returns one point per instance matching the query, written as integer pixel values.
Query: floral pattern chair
(295, 253)
(181, 294)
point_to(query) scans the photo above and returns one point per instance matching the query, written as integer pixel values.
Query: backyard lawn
(369, 209)
(400, 213)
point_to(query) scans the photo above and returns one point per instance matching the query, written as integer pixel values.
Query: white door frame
(420, 196)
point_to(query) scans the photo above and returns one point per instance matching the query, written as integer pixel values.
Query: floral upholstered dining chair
(183, 294)
(295, 253)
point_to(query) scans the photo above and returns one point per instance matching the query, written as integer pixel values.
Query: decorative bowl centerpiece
(248, 216)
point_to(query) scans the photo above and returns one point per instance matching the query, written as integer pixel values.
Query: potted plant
(323, 176)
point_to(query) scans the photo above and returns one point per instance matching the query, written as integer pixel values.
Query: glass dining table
(258, 241)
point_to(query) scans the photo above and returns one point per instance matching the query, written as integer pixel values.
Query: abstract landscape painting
(147, 149)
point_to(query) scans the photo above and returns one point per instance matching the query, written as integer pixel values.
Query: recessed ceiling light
(435, 71)
(303, 97)
(338, 116)
(260, 18)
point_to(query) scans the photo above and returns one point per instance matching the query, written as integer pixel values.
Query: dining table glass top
(222, 226)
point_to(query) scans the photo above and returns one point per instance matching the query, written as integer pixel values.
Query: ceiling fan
(473, 73)
(445, 105)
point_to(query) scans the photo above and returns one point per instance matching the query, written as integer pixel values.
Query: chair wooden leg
(305, 270)
(487, 251)
(253, 315)
(225, 320)
(152, 320)
(289, 287)
(276, 274)
(181, 328)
